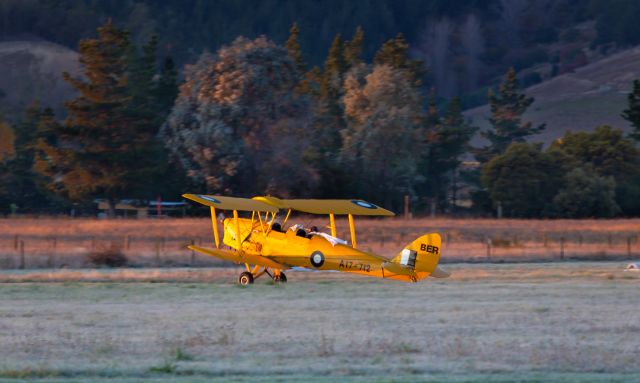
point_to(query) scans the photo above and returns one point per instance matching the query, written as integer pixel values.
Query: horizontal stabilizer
(237, 257)
(440, 273)
(397, 268)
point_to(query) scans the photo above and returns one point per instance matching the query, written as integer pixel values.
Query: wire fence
(59, 251)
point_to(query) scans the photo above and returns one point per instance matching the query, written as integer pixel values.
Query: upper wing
(231, 203)
(327, 206)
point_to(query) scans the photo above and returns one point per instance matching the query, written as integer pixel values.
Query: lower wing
(237, 257)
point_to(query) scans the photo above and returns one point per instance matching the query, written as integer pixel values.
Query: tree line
(255, 118)
(481, 38)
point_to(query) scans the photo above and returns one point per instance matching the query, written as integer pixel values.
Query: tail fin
(423, 255)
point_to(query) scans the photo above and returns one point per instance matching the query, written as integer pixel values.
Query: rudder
(422, 255)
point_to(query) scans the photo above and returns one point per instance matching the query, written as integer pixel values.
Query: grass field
(561, 322)
(49, 242)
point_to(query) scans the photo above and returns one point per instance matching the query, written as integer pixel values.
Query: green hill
(32, 71)
(590, 96)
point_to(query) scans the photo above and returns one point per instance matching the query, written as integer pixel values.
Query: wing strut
(237, 225)
(286, 218)
(332, 222)
(352, 228)
(214, 223)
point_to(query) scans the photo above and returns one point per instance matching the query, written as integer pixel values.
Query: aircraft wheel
(246, 278)
(283, 278)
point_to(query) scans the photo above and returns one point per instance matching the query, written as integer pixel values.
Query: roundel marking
(317, 258)
(364, 204)
(208, 198)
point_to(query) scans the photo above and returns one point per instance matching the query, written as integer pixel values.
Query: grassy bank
(528, 322)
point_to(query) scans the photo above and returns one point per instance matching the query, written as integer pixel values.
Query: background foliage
(296, 101)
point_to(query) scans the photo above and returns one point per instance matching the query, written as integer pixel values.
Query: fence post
(127, 242)
(193, 254)
(15, 241)
(157, 252)
(22, 261)
(488, 248)
(52, 256)
(561, 247)
(406, 206)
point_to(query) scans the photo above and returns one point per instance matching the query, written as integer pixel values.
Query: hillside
(32, 70)
(590, 96)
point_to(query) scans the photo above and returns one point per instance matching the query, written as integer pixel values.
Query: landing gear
(282, 278)
(245, 279)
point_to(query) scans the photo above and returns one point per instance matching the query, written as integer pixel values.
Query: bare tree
(512, 13)
(472, 45)
(434, 48)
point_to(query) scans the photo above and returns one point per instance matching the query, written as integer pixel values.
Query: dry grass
(65, 243)
(536, 322)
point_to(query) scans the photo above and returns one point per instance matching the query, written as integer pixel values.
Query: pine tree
(142, 69)
(632, 113)
(166, 88)
(507, 108)
(22, 184)
(7, 153)
(394, 53)
(447, 139)
(293, 47)
(334, 69)
(7, 141)
(433, 116)
(352, 50)
(103, 149)
(325, 86)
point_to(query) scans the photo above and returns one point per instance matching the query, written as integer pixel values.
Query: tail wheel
(282, 278)
(246, 278)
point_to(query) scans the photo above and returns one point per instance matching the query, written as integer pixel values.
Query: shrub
(111, 256)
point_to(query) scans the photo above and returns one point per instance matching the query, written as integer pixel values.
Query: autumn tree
(7, 153)
(7, 141)
(293, 47)
(381, 144)
(352, 50)
(507, 127)
(328, 110)
(395, 53)
(238, 126)
(334, 69)
(105, 147)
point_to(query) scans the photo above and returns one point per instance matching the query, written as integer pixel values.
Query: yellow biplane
(265, 246)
